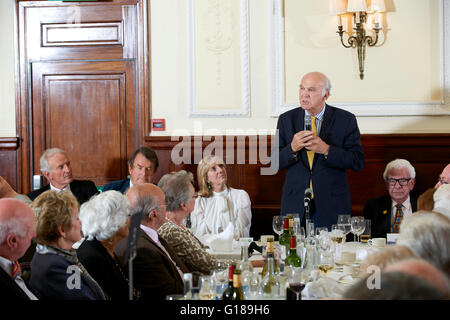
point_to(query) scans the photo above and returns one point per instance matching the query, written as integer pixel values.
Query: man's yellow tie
(309, 153)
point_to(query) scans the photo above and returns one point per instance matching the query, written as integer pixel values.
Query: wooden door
(86, 109)
(83, 85)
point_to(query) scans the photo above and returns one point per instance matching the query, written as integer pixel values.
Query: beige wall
(402, 69)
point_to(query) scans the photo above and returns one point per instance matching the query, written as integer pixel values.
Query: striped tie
(16, 271)
(398, 218)
(309, 153)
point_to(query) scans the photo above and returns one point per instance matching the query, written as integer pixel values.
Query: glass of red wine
(296, 279)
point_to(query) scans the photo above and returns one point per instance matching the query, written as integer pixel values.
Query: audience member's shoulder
(114, 185)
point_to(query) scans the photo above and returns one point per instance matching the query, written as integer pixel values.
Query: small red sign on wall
(158, 124)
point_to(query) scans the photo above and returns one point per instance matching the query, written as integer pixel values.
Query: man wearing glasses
(425, 200)
(388, 211)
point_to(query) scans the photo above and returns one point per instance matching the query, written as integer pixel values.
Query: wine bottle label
(270, 247)
(237, 280)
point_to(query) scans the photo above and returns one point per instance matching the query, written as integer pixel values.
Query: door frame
(23, 81)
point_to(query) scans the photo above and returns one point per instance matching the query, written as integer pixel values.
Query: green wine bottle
(238, 294)
(284, 237)
(293, 260)
(228, 292)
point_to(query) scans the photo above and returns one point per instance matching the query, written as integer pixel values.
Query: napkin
(222, 241)
(323, 288)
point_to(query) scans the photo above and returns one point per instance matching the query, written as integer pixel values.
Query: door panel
(82, 107)
(83, 85)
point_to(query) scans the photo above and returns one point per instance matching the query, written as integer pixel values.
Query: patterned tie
(16, 271)
(398, 218)
(309, 153)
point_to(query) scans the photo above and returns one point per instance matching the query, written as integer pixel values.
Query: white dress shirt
(6, 265)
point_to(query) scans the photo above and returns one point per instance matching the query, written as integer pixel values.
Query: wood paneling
(428, 153)
(8, 153)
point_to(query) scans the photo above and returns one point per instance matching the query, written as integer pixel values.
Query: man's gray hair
(16, 225)
(399, 164)
(45, 167)
(441, 199)
(426, 234)
(327, 87)
(175, 186)
(144, 204)
(104, 214)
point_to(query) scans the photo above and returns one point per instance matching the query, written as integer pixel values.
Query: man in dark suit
(399, 176)
(157, 270)
(142, 166)
(55, 166)
(318, 161)
(17, 230)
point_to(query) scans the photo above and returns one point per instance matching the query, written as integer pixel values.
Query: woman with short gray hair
(105, 221)
(180, 197)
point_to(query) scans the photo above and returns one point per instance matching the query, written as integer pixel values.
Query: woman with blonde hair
(56, 272)
(218, 204)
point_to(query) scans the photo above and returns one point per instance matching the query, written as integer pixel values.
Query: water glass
(358, 225)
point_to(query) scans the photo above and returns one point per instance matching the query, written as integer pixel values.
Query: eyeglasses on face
(442, 181)
(402, 181)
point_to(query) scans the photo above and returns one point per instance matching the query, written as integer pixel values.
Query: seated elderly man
(426, 234)
(157, 270)
(425, 200)
(387, 212)
(142, 166)
(17, 228)
(55, 166)
(442, 200)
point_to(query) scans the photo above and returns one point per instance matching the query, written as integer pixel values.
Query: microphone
(308, 122)
(308, 196)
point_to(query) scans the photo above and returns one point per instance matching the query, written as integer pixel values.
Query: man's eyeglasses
(403, 182)
(442, 181)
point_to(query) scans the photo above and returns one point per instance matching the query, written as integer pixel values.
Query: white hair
(427, 235)
(16, 225)
(327, 87)
(399, 164)
(441, 199)
(104, 214)
(43, 161)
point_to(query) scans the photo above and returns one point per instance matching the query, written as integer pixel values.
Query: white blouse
(212, 215)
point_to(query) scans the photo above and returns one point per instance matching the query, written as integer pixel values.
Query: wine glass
(296, 280)
(326, 262)
(277, 225)
(358, 225)
(207, 288)
(345, 221)
(220, 274)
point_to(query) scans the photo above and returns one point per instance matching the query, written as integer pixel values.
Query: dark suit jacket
(83, 190)
(102, 267)
(331, 191)
(119, 185)
(378, 210)
(50, 275)
(9, 290)
(154, 273)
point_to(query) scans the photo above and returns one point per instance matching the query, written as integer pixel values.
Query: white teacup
(377, 242)
(348, 257)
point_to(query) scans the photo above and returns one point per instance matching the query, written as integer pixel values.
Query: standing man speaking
(316, 156)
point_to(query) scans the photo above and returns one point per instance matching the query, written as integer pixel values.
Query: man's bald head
(422, 269)
(17, 228)
(149, 200)
(444, 177)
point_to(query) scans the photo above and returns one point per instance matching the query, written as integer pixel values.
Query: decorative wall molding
(244, 111)
(361, 109)
(9, 143)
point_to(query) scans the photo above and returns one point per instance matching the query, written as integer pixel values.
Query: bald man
(17, 228)
(425, 200)
(318, 161)
(425, 270)
(157, 270)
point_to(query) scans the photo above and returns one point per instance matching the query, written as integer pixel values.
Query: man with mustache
(55, 166)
